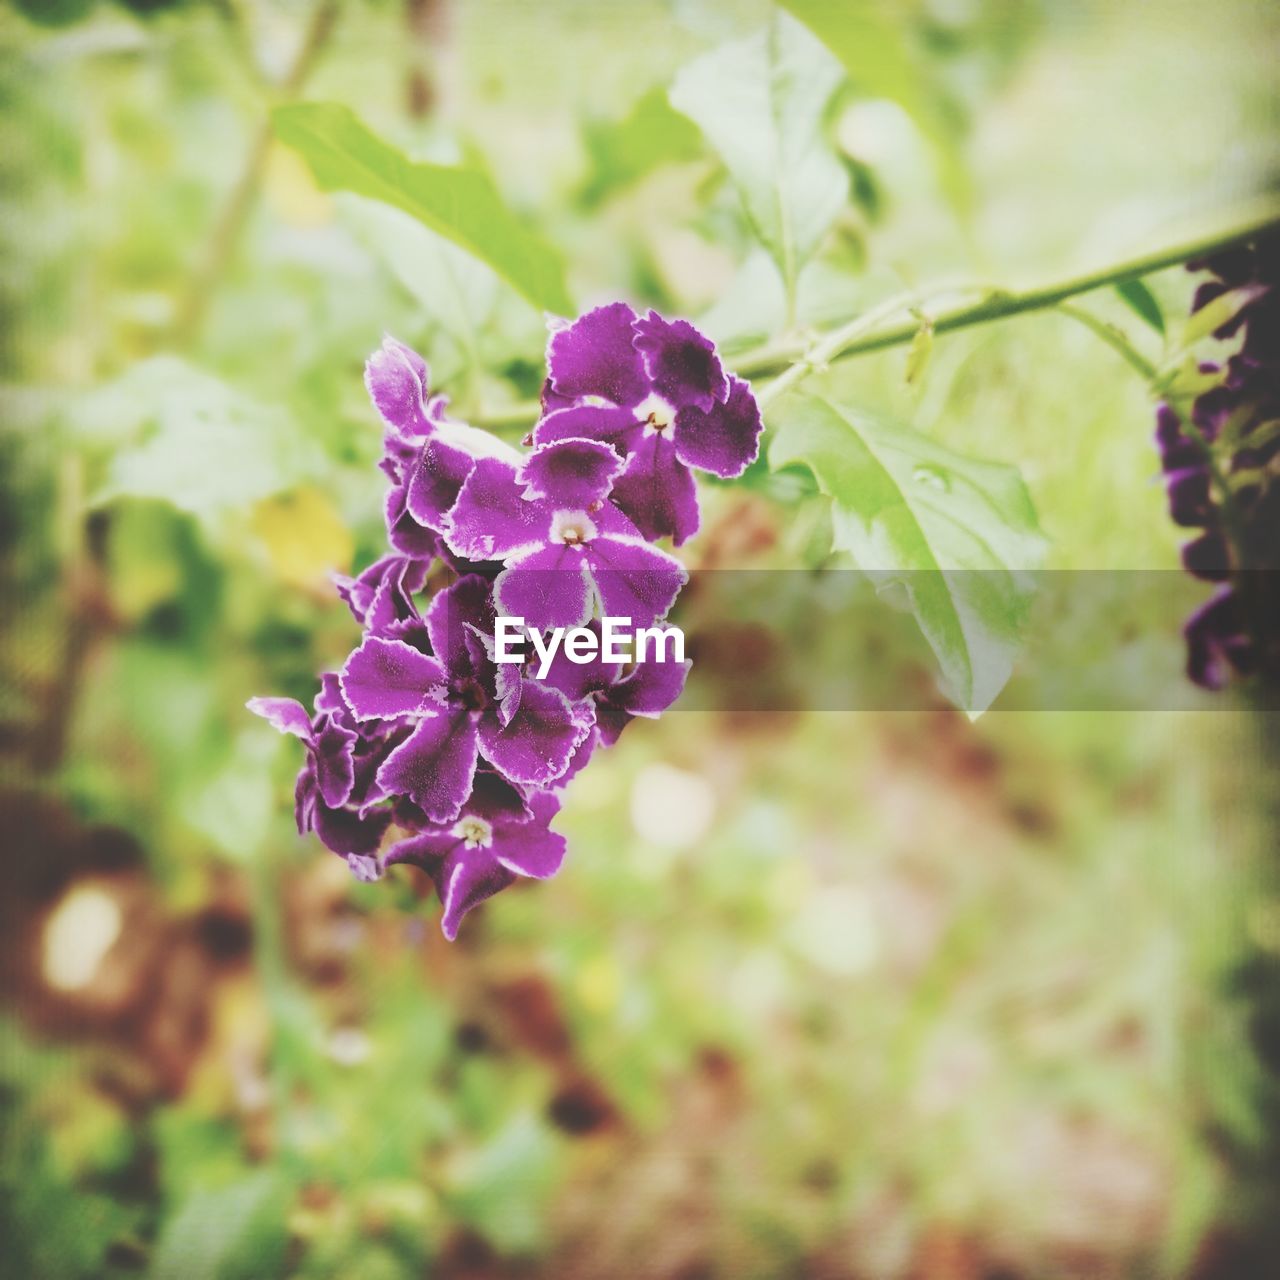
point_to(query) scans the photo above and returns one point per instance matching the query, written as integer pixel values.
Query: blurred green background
(837, 995)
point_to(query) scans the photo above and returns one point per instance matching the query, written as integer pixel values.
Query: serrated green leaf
(958, 535)
(457, 202)
(1142, 302)
(762, 102)
(868, 41)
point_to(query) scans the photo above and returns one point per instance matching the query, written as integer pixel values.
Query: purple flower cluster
(1233, 429)
(424, 749)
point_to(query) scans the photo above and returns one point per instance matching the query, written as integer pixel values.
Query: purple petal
(723, 439)
(392, 600)
(657, 491)
(426, 849)
(681, 362)
(436, 479)
(549, 587)
(618, 428)
(329, 698)
(434, 766)
(581, 757)
(491, 519)
(535, 746)
(452, 615)
(595, 356)
(347, 833)
(1207, 557)
(396, 377)
(305, 797)
(384, 679)
(650, 687)
(1190, 504)
(284, 715)
(579, 680)
(496, 800)
(571, 473)
(464, 881)
(335, 764)
(1216, 641)
(404, 532)
(635, 580)
(529, 849)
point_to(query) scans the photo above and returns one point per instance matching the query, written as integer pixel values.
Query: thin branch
(998, 304)
(789, 363)
(1114, 337)
(235, 213)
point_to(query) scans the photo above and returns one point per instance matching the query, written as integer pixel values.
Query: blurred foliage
(880, 995)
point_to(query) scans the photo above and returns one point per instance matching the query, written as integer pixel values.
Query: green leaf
(1142, 302)
(231, 1233)
(459, 203)
(1213, 315)
(763, 102)
(501, 1187)
(958, 536)
(650, 135)
(192, 440)
(869, 43)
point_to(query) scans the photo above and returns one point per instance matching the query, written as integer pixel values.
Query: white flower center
(474, 832)
(573, 528)
(656, 414)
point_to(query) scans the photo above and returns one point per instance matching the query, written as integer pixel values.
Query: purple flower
(655, 391)
(1230, 429)
(497, 837)
(458, 707)
(560, 560)
(618, 693)
(327, 782)
(422, 729)
(427, 455)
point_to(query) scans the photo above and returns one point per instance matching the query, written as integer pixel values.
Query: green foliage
(1142, 302)
(457, 202)
(875, 50)
(185, 437)
(623, 151)
(903, 908)
(959, 537)
(762, 102)
(233, 1232)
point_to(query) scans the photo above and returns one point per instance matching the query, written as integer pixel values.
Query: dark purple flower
(655, 391)
(327, 783)
(1220, 475)
(458, 708)
(496, 838)
(560, 560)
(620, 692)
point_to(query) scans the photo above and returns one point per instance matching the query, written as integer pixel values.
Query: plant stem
(788, 363)
(998, 304)
(1114, 337)
(235, 213)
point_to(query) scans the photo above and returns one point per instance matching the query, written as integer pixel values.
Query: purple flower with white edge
(619, 691)
(656, 392)
(560, 558)
(496, 838)
(458, 708)
(427, 455)
(327, 782)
